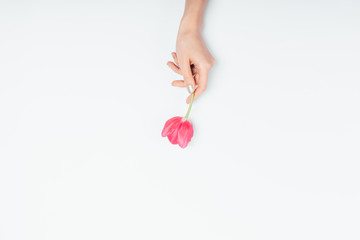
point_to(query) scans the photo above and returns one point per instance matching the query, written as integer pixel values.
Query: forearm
(192, 19)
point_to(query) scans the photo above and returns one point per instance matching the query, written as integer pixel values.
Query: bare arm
(193, 15)
(192, 58)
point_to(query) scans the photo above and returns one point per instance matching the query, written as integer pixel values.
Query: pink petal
(173, 137)
(171, 125)
(185, 133)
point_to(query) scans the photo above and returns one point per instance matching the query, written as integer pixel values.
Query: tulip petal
(173, 137)
(185, 133)
(170, 125)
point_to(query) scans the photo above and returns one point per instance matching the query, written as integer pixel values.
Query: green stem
(190, 105)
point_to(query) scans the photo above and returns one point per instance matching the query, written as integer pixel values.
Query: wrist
(190, 23)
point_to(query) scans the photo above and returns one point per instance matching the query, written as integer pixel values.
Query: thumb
(188, 76)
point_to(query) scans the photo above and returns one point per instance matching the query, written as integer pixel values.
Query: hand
(175, 67)
(193, 61)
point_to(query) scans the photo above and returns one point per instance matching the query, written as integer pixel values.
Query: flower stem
(190, 105)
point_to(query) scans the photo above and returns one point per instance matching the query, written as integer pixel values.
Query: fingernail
(190, 88)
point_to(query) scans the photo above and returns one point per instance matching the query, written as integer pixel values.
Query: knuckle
(208, 64)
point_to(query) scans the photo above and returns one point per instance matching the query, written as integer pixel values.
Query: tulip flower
(179, 130)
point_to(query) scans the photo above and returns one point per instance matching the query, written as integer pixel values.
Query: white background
(85, 92)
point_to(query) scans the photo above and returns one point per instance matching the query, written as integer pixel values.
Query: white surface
(85, 91)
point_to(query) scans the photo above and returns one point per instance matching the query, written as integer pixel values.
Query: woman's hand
(192, 59)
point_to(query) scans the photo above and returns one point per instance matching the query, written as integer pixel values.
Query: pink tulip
(179, 130)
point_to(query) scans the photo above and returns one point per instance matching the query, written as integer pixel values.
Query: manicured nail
(190, 88)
